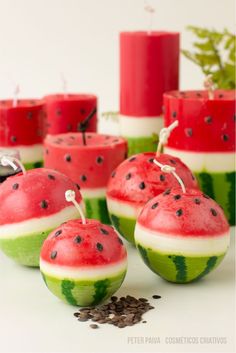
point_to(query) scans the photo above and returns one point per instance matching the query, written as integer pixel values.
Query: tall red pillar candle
(66, 112)
(205, 140)
(22, 127)
(149, 66)
(89, 165)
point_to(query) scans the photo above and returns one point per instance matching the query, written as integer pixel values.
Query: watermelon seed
(189, 132)
(221, 95)
(13, 138)
(53, 255)
(72, 137)
(116, 140)
(213, 211)
(162, 177)
(46, 151)
(99, 246)
(197, 201)
(155, 205)
(198, 94)
(78, 239)
(120, 240)
(29, 115)
(151, 160)
(142, 185)
(179, 212)
(225, 137)
(128, 176)
(89, 136)
(50, 176)
(99, 159)
(132, 159)
(15, 186)
(83, 178)
(82, 111)
(206, 196)
(58, 112)
(208, 119)
(174, 114)
(113, 174)
(69, 127)
(167, 192)
(172, 161)
(193, 177)
(78, 187)
(177, 197)
(58, 232)
(104, 231)
(44, 204)
(68, 158)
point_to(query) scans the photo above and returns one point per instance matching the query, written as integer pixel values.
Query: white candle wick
(13, 162)
(169, 169)
(15, 95)
(64, 85)
(70, 197)
(165, 133)
(150, 10)
(209, 86)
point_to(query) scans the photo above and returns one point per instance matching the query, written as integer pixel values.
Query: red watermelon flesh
(88, 165)
(188, 214)
(138, 179)
(65, 113)
(23, 124)
(38, 193)
(82, 245)
(204, 125)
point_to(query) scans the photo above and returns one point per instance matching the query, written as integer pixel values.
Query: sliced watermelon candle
(83, 262)
(149, 66)
(32, 205)
(205, 140)
(66, 112)
(22, 127)
(90, 165)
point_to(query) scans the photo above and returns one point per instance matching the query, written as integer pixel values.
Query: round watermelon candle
(32, 205)
(66, 112)
(149, 66)
(83, 262)
(205, 140)
(89, 165)
(22, 127)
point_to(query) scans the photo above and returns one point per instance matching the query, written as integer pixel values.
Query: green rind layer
(96, 208)
(33, 165)
(25, 249)
(141, 144)
(220, 187)
(177, 268)
(124, 226)
(84, 292)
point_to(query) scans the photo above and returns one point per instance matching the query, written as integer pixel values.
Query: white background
(41, 38)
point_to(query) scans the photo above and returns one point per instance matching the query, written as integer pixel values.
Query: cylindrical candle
(205, 140)
(22, 127)
(90, 165)
(66, 112)
(7, 171)
(149, 66)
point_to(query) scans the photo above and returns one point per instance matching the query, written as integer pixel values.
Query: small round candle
(89, 165)
(22, 127)
(65, 112)
(205, 140)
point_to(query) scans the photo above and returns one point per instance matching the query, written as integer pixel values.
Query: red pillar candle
(90, 165)
(66, 112)
(149, 66)
(205, 140)
(22, 128)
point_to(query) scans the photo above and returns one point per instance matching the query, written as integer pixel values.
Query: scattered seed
(189, 132)
(172, 161)
(142, 185)
(155, 205)
(132, 159)
(120, 241)
(78, 187)
(225, 137)
(151, 160)
(83, 177)
(208, 119)
(128, 176)
(104, 231)
(166, 192)
(15, 186)
(58, 232)
(68, 158)
(78, 239)
(113, 174)
(179, 212)
(162, 177)
(50, 176)
(53, 255)
(29, 115)
(99, 160)
(44, 204)
(174, 114)
(99, 246)
(13, 138)
(177, 197)
(197, 201)
(213, 211)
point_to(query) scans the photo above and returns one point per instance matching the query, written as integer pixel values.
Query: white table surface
(33, 320)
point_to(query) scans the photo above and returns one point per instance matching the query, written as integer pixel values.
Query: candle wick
(209, 86)
(164, 135)
(12, 161)
(15, 95)
(169, 169)
(70, 197)
(64, 85)
(150, 10)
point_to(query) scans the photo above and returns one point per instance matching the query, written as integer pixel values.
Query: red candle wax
(66, 112)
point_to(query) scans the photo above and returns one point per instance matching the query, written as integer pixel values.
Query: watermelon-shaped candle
(205, 140)
(32, 205)
(66, 112)
(149, 66)
(89, 165)
(83, 262)
(22, 127)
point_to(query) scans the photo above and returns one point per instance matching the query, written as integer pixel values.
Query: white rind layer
(177, 244)
(93, 193)
(132, 126)
(123, 209)
(29, 154)
(36, 225)
(205, 161)
(83, 273)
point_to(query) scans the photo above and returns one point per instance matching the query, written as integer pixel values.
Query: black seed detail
(197, 201)
(225, 137)
(128, 176)
(46, 151)
(221, 95)
(213, 211)
(155, 205)
(15, 186)
(193, 177)
(151, 160)
(99, 246)
(13, 139)
(58, 232)
(179, 212)
(174, 114)
(58, 112)
(69, 127)
(177, 197)
(116, 140)
(44, 204)
(99, 160)
(206, 196)
(53, 255)
(166, 192)
(113, 174)
(29, 115)
(72, 137)
(82, 111)
(188, 132)
(198, 94)
(142, 185)
(120, 241)
(78, 239)
(68, 158)
(162, 177)
(50, 176)
(208, 119)
(104, 231)
(172, 161)
(83, 177)
(78, 187)
(132, 159)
